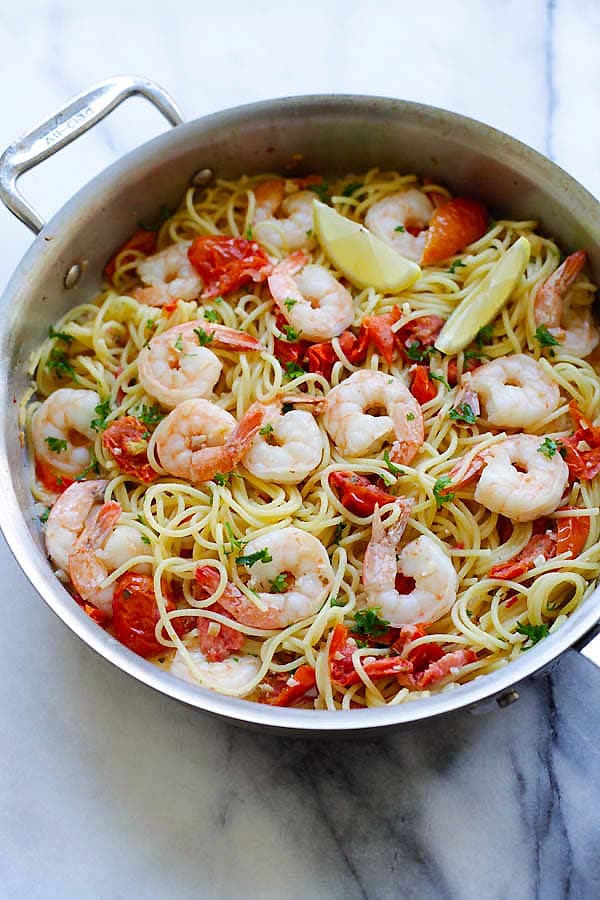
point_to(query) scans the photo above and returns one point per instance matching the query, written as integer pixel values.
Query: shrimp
(423, 560)
(61, 430)
(310, 298)
(230, 676)
(294, 229)
(169, 275)
(288, 447)
(67, 519)
(391, 218)
(578, 333)
(516, 391)
(198, 439)
(178, 365)
(516, 479)
(367, 409)
(290, 574)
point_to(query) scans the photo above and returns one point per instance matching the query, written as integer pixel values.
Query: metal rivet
(506, 699)
(72, 277)
(203, 177)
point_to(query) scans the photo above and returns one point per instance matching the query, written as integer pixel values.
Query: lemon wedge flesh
(485, 301)
(365, 260)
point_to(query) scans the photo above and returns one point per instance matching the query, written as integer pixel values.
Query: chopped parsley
(203, 337)
(457, 264)
(400, 228)
(179, 343)
(234, 543)
(366, 621)
(289, 302)
(44, 516)
(218, 299)
(293, 370)
(211, 315)
(336, 601)
(484, 335)
(548, 447)
(463, 413)
(145, 539)
(290, 333)
(410, 416)
(141, 520)
(60, 336)
(435, 377)
(102, 411)
(474, 354)
(260, 556)
(222, 478)
(58, 362)
(150, 415)
(352, 188)
(265, 430)
(248, 233)
(57, 445)
(150, 324)
(535, 633)
(395, 470)
(339, 532)
(286, 408)
(544, 338)
(321, 190)
(309, 232)
(439, 490)
(417, 353)
(94, 466)
(279, 584)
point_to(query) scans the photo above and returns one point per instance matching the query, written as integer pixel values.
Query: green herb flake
(309, 232)
(417, 353)
(265, 430)
(248, 233)
(211, 315)
(260, 556)
(57, 445)
(484, 336)
(457, 264)
(203, 337)
(400, 228)
(293, 370)
(145, 539)
(286, 408)
(290, 333)
(289, 302)
(150, 415)
(548, 447)
(179, 343)
(352, 188)
(234, 543)
(93, 466)
(321, 190)
(222, 478)
(544, 338)
(410, 416)
(150, 325)
(58, 362)
(463, 413)
(44, 516)
(339, 532)
(395, 470)
(435, 377)
(366, 621)
(336, 601)
(535, 633)
(102, 411)
(439, 490)
(279, 583)
(60, 336)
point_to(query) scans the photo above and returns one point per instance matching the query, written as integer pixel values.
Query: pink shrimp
(573, 326)
(87, 569)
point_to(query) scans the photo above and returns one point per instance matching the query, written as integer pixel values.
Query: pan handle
(74, 120)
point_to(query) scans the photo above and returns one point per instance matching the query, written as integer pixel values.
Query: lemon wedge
(485, 301)
(365, 260)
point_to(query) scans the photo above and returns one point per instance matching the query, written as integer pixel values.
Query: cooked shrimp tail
(86, 568)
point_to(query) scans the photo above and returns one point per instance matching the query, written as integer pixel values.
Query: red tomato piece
(583, 464)
(571, 534)
(420, 656)
(321, 359)
(538, 545)
(142, 240)
(423, 332)
(468, 366)
(379, 332)
(226, 263)
(135, 614)
(438, 670)
(126, 440)
(422, 387)
(217, 647)
(357, 493)
(454, 225)
(98, 615)
(51, 480)
(342, 669)
(287, 688)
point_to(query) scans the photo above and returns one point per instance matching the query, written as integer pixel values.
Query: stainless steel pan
(324, 134)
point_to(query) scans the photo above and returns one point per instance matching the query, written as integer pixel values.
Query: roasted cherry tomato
(571, 534)
(51, 480)
(126, 440)
(341, 667)
(584, 464)
(357, 493)
(422, 387)
(226, 263)
(289, 687)
(454, 225)
(538, 545)
(135, 614)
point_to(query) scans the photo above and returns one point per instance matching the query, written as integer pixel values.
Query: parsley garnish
(102, 411)
(339, 532)
(94, 466)
(435, 377)
(548, 448)
(179, 343)
(352, 188)
(150, 324)
(60, 335)
(293, 370)
(57, 445)
(535, 633)
(290, 333)
(289, 302)
(366, 621)
(309, 232)
(418, 353)
(474, 354)
(266, 429)
(145, 539)
(248, 233)
(463, 413)
(391, 467)
(336, 601)
(286, 408)
(279, 583)
(439, 489)
(457, 264)
(484, 335)
(321, 190)
(150, 415)
(400, 228)
(544, 338)
(203, 337)
(410, 416)
(260, 556)
(222, 478)
(211, 315)
(44, 516)
(234, 543)
(58, 361)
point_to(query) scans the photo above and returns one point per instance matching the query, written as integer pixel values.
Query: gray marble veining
(109, 791)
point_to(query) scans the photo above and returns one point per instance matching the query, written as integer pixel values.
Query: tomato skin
(538, 545)
(583, 464)
(422, 331)
(226, 263)
(454, 225)
(219, 646)
(142, 240)
(571, 534)
(96, 614)
(285, 694)
(357, 493)
(379, 332)
(422, 387)
(51, 480)
(341, 667)
(468, 366)
(135, 614)
(438, 669)
(126, 440)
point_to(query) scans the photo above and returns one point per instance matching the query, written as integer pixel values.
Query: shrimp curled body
(515, 391)
(356, 431)
(390, 218)
(288, 447)
(292, 228)
(572, 325)
(65, 416)
(168, 275)
(230, 676)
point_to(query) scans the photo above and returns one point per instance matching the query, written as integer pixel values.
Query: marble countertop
(110, 791)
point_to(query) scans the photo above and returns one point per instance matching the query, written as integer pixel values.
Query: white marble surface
(109, 791)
